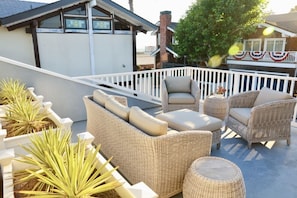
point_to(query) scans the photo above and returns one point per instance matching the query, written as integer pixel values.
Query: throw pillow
(100, 97)
(269, 95)
(147, 123)
(117, 108)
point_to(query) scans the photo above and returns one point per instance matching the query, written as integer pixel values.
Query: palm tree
(131, 5)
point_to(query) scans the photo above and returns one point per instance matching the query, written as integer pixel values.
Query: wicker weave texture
(269, 121)
(216, 107)
(213, 177)
(195, 91)
(161, 162)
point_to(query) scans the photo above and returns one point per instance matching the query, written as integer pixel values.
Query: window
(51, 23)
(174, 41)
(118, 25)
(75, 23)
(76, 19)
(101, 24)
(252, 45)
(80, 11)
(275, 44)
(99, 13)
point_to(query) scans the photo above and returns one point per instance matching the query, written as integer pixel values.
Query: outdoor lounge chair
(263, 115)
(179, 93)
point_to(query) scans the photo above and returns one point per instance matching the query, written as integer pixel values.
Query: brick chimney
(165, 40)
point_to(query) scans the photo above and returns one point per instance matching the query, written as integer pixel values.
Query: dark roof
(286, 21)
(11, 7)
(49, 8)
(173, 25)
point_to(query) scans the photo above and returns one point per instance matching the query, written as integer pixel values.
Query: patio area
(269, 168)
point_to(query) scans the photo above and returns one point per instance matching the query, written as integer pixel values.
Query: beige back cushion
(178, 84)
(269, 95)
(100, 97)
(117, 108)
(147, 123)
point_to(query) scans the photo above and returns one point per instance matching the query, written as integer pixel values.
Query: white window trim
(275, 39)
(253, 40)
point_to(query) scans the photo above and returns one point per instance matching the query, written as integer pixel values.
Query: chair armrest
(243, 100)
(271, 113)
(195, 91)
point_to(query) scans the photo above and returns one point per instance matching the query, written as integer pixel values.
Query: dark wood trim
(34, 26)
(133, 29)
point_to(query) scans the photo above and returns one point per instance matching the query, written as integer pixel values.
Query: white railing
(147, 83)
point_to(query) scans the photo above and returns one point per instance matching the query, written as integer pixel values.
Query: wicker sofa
(142, 152)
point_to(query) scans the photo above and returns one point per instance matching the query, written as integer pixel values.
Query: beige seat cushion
(181, 98)
(178, 84)
(100, 97)
(269, 95)
(147, 123)
(185, 119)
(241, 114)
(117, 108)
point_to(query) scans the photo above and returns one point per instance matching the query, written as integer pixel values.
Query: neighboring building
(270, 53)
(144, 60)
(274, 53)
(164, 54)
(71, 37)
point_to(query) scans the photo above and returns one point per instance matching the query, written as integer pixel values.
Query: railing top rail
(185, 69)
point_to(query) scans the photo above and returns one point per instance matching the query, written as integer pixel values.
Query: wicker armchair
(179, 93)
(264, 115)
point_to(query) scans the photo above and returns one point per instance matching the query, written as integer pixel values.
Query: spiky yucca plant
(63, 169)
(11, 90)
(23, 117)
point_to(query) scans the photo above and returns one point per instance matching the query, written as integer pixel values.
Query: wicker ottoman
(186, 119)
(213, 177)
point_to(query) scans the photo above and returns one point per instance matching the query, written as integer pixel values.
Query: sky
(150, 10)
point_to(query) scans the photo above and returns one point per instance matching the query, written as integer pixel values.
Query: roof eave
(37, 12)
(127, 15)
(142, 24)
(279, 29)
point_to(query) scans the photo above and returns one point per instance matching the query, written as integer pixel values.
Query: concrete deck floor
(269, 169)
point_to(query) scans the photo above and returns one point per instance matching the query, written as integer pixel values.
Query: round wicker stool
(213, 177)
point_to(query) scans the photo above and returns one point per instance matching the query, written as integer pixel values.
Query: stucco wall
(64, 92)
(69, 53)
(113, 53)
(66, 54)
(17, 45)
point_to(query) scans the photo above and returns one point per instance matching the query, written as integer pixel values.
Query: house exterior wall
(17, 45)
(113, 53)
(69, 53)
(66, 54)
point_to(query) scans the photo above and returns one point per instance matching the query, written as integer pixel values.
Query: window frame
(252, 46)
(274, 43)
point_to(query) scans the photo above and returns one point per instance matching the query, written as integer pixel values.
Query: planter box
(36, 98)
(8, 164)
(13, 142)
